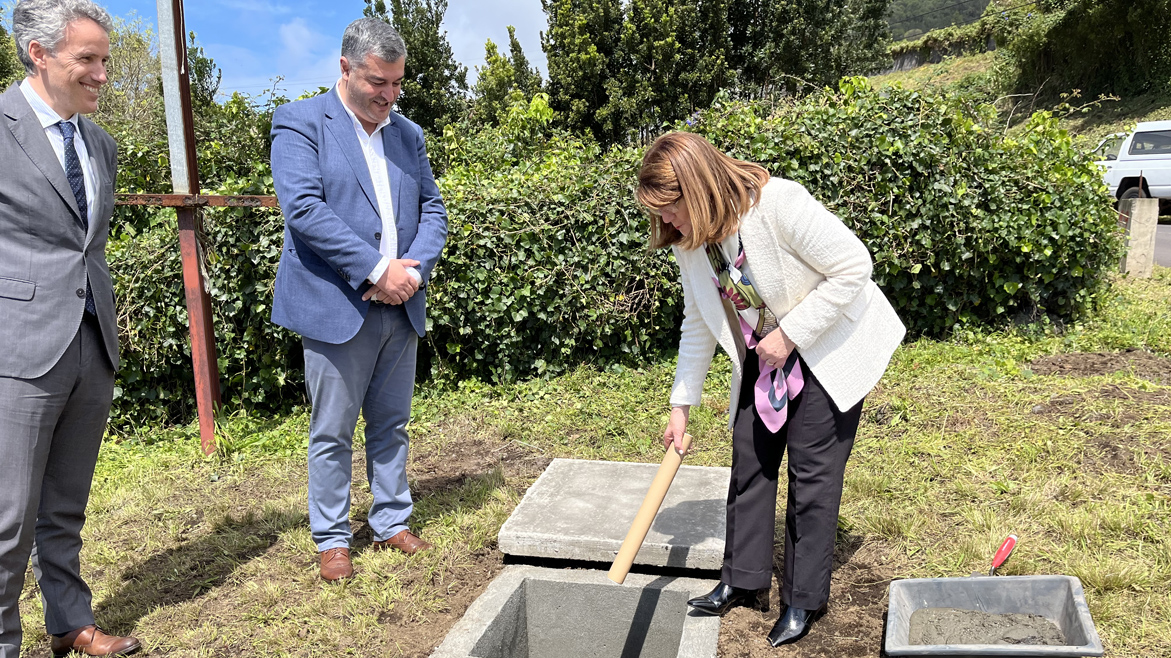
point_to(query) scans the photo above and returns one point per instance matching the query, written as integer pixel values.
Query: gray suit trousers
(50, 430)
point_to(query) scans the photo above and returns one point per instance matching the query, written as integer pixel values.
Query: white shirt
(49, 120)
(375, 154)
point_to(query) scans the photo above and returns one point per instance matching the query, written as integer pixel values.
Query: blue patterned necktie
(77, 183)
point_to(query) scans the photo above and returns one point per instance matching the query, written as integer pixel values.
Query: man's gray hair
(372, 36)
(44, 21)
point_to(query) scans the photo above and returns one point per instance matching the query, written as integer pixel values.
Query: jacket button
(81, 292)
(377, 236)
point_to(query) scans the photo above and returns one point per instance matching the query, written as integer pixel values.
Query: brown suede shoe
(405, 541)
(91, 641)
(335, 564)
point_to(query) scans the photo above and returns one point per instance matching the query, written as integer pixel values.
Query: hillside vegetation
(982, 76)
(1099, 65)
(911, 18)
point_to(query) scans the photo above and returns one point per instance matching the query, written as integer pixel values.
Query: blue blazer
(332, 225)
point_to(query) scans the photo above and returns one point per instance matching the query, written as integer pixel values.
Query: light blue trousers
(374, 373)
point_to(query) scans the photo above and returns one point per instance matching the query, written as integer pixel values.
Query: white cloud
(299, 42)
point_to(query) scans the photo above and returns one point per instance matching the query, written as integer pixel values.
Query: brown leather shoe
(405, 541)
(91, 641)
(335, 564)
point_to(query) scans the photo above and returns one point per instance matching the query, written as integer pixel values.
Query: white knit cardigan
(814, 275)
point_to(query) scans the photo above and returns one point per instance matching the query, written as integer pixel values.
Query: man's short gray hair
(372, 36)
(44, 21)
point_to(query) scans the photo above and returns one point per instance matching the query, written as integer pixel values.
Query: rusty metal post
(185, 177)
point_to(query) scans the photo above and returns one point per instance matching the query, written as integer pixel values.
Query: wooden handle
(646, 513)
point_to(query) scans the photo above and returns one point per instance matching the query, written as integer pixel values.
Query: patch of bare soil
(1123, 445)
(851, 628)
(419, 637)
(438, 470)
(1123, 454)
(1141, 363)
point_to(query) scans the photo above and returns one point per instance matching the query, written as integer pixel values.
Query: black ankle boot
(725, 597)
(793, 625)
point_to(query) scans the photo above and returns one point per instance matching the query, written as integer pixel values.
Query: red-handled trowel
(1001, 556)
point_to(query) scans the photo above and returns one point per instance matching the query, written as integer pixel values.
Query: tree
(503, 81)
(131, 101)
(1096, 46)
(205, 76)
(11, 69)
(582, 48)
(672, 62)
(528, 79)
(621, 69)
(435, 87)
(817, 41)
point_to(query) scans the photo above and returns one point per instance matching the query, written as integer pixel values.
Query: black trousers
(819, 438)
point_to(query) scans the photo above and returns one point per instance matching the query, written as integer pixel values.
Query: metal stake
(185, 178)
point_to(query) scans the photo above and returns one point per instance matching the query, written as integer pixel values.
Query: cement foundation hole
(550, 619)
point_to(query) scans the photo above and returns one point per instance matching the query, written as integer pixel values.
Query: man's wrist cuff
(379, 270)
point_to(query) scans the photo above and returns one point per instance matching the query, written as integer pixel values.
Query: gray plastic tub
(1060, 599)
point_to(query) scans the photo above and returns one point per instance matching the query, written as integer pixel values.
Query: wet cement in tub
(955, 626)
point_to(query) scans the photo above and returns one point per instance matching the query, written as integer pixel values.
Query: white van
(1138, 164)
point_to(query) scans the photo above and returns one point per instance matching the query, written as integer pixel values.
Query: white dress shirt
(375, 155)
(49, 120)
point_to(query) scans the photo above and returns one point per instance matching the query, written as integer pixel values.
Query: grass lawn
(1061, 438)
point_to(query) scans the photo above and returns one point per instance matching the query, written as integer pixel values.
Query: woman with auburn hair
(784, 287)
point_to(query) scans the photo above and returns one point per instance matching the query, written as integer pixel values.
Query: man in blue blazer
(364, 227)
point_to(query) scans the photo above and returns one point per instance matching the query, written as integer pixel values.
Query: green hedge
(546, 264)
(964, 224)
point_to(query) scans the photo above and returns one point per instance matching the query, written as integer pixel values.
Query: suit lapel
(31, 136)
(392, 146)
(102, 182)
(338, 122)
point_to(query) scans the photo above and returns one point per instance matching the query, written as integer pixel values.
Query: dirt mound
(1141, 363)
(851, 627)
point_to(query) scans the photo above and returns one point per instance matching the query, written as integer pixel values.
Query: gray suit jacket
(45, 253)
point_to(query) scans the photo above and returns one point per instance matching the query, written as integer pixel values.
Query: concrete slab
(581, 510)
(533, 612)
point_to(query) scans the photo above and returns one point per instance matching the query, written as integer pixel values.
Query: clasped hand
(396, 285)
(775, 348)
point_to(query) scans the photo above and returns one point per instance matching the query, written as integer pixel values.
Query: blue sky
(253, 41)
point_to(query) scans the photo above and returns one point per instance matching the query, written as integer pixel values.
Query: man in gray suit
(58, 334)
